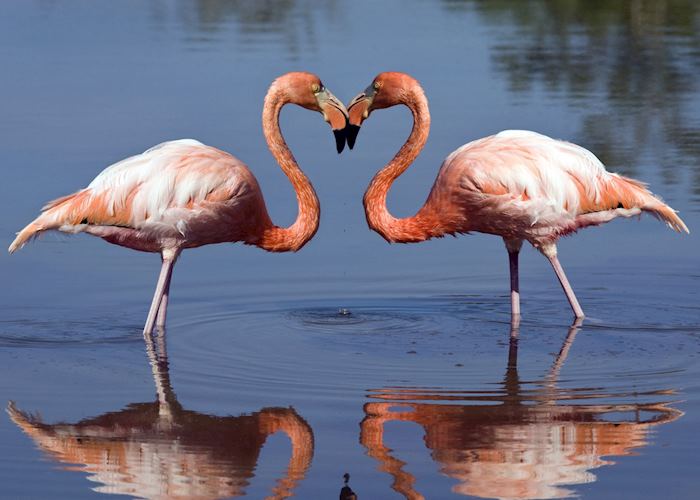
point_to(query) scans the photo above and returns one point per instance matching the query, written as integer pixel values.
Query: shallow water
(395, 364)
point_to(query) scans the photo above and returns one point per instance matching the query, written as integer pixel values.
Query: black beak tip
(339, 139)
(352, 131)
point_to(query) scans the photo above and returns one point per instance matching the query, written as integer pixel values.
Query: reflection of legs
(550, 251)
(166, 271)
(550, 381)
(513, 247)
(513, 343)
(158, 359)
(511, 381)
(564, 351)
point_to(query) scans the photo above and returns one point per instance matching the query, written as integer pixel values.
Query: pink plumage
(177, 194)
(524, 185)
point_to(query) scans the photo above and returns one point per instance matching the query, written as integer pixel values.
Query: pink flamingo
(183, 194)
(517, 184)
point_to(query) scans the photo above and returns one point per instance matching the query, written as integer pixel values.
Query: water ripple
(32, 333)
(349, 345)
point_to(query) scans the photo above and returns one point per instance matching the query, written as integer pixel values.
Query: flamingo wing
(527, 181)
(163, 192)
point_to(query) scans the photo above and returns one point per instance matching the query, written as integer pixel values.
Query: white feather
(160, 181)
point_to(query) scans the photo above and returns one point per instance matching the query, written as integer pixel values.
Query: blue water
(395, 364)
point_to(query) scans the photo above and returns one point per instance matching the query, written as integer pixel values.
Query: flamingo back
(173, 191)
(526, 185)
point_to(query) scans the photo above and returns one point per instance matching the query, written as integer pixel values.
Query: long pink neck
(292, 238)
(424, 224)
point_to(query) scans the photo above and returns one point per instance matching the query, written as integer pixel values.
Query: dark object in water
(346, 492)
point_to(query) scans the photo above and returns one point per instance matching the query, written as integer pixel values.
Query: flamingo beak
(340, 137)
(336, 115)
(358, 110)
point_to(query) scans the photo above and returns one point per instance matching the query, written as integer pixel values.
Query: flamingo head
(307, 90)
(386, 90)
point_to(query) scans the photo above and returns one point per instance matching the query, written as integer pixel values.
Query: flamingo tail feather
(25, 235)
(55, 214)
(653, 205)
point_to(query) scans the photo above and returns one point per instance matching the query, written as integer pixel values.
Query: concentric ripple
(35, 333)
(310, 348)
(303, 347)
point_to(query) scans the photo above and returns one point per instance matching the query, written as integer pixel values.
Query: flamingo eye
(376, 85)
(315, 87)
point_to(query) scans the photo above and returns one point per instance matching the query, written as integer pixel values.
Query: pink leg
(163, 307)
(551, 253)
(166, 272)
(513, 247)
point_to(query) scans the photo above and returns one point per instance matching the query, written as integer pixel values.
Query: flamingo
(183, 194)
(517, 184)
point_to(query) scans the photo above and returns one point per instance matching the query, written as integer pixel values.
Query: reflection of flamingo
(183, 194)
(517, 184)
(518, 443)
(161, 450)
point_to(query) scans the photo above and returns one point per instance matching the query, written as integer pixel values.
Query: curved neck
(292, 238)
(421, 226)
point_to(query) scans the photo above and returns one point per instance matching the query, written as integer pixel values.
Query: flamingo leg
(166, 272)
(552, 256)
(163, 307)
(513, 247)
